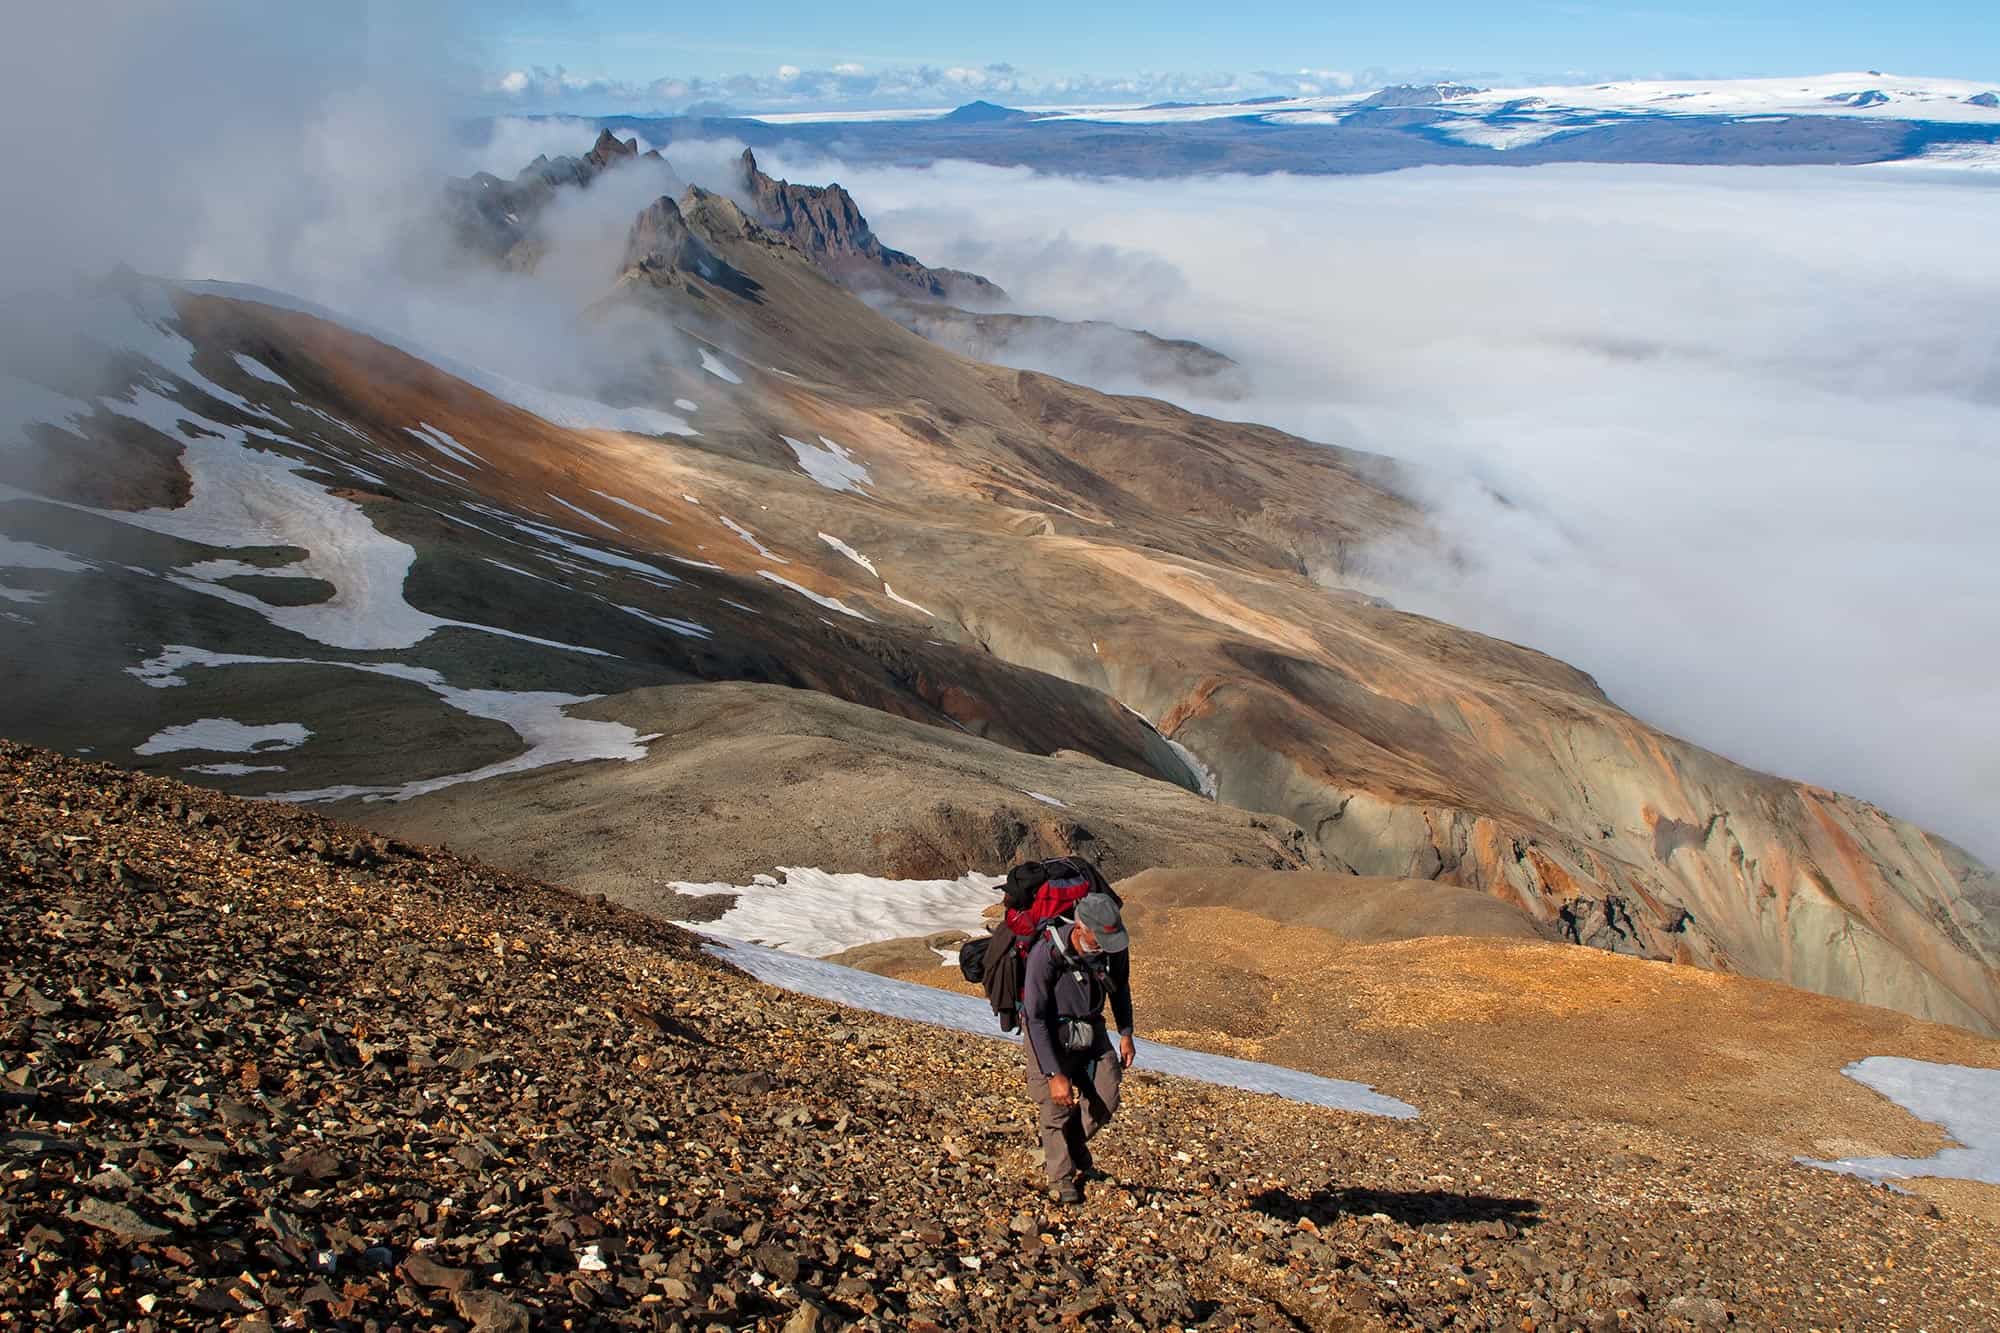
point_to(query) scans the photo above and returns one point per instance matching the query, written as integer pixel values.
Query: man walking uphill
(1073, 1074)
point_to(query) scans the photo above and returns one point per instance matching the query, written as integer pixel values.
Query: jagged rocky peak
(661, 247)
(496, 217)
(609, 148)
(826, 223)
(659, 236)
(717, 215)
(824, 218)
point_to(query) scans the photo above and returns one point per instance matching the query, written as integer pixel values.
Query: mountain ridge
(993, 551)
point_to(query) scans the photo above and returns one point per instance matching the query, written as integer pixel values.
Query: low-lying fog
(1746, 422)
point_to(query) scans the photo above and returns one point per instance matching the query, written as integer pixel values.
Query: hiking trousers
(1067, 1130)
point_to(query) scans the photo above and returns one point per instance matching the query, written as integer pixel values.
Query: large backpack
(1037, 893)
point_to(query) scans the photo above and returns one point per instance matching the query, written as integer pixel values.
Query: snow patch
(807, 911)
(243, 496)
(848, 551)
(32, 555)
(582, 513)
(333, 420)
(516, 569)
(1963, 1099)
(444, 444)
(226, 736)
(572, 542)
(832, 466)
(1046, 799)
(257, 369)
(713, 366)
(966, 1013)
(830, 603)
(687, 404)
(233, 770)
(750, 538)
(537, 717)
(900, 600)
(637, 509)
(1202, 774)
(687, 629)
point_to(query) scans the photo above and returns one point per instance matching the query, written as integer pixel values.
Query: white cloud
(1746, 447)
(849, 84)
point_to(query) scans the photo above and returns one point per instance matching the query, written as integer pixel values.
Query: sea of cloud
(1728, 438)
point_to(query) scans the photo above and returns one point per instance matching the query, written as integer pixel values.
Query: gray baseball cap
(1099, 914)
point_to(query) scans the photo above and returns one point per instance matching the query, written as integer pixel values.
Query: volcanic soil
(266, 1070)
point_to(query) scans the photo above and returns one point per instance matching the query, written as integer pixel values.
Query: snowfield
(537, 717)
(1861, 94)
(832, 466)
(225, 736)
(807, 911)
(1964, 1100)
(965, 1013)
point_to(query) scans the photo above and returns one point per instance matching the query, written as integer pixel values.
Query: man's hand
(1127, 1052)
(1060, 1092)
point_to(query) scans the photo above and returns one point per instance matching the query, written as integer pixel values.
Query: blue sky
(627, 51)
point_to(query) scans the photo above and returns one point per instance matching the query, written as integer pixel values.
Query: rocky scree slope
(266, 1070)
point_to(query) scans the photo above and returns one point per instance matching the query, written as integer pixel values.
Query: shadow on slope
(1410, 1207)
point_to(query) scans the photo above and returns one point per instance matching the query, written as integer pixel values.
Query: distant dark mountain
(985, 113)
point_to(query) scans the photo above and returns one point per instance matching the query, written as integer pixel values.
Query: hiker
(1078, 963)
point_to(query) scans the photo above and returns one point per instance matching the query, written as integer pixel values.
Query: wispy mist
(1745, 423)
(305, 150)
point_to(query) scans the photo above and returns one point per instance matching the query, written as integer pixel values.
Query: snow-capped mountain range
(1858, 117)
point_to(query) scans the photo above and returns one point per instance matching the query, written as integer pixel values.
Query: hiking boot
(1070, 1191)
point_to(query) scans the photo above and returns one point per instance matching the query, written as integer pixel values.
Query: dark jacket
(1058, 985)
